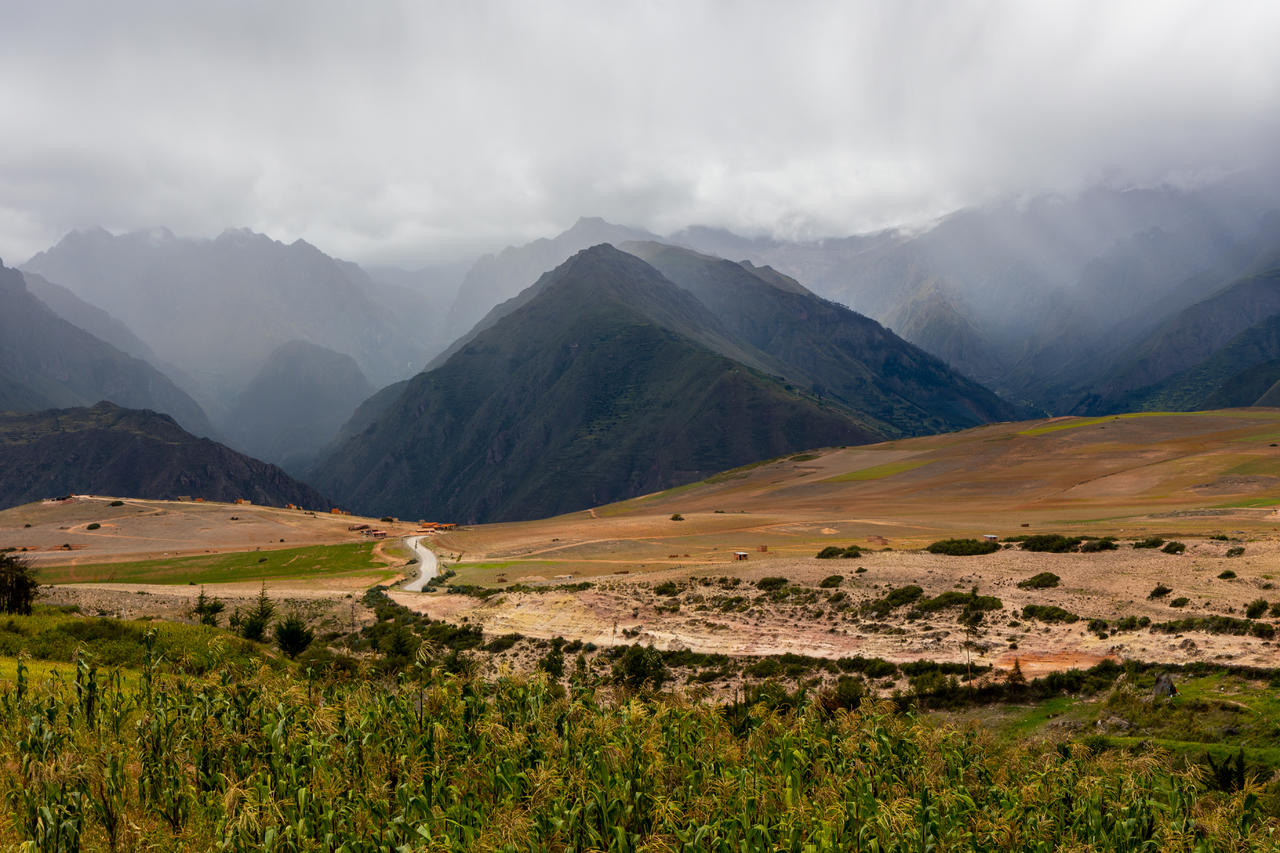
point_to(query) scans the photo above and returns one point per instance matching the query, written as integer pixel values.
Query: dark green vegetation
(1054, 543)
(963, 547)
(604, 380)
(1042, 580)
(832, 552)
(225, 568)
(295, 405)
(107, 450)
(1174, 548)
(47, 363)
(1048, 613)
(1149, 542)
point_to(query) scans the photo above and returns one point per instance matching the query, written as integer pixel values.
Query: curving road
(428, 566)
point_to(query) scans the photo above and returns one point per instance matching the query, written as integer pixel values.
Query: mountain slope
(603, 384)
(1191, 354)
(91, 318)
(109, 450)
(46, 362)
(836, 353)
(296, 404)
(494, 279)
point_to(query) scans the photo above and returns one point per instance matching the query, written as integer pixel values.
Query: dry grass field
(1183, 477)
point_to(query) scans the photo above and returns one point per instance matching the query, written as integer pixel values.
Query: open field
(138, 530)
(1210, 480)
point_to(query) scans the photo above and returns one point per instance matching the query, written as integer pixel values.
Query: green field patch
(310, 561)
(878, 472)
(1075, 423)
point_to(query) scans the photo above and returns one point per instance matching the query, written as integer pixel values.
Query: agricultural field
(188, 739)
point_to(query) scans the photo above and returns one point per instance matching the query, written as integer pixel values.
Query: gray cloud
(399, 132)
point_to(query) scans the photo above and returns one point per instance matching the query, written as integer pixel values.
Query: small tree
(293, 636)
(253, 625)
(208, 609)
(18, 584)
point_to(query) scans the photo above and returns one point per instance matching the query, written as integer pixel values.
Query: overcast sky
(387, 132)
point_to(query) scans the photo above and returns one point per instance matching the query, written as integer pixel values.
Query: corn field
(262, 760)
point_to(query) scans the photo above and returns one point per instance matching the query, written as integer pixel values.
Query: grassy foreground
(241, 756)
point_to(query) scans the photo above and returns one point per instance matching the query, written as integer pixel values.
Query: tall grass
(244, 759)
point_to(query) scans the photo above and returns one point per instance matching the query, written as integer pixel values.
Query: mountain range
(606, 379)
(46, 362)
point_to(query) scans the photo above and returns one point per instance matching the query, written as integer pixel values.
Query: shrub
(953, 598)
(1226, 575)
(831, 582)
(771, 584)
(640, 666)
(1044, 580)
(1149, 542)
(851, 553)
(1160, 591)
(1106, 543)
(552, 662)
(1235, 551)
(1217, 625)
(830, 552)
(963, 547)
(894, 599)
(667, 588)
(1053, 543)
(1048, 613)
(502, 643)
(93, 525)
(1174, 548)
(116, 503)
(1256, 608)
(870, 667)
(675, 516)
(1180, 602)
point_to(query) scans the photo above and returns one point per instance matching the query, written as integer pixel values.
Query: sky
(419, 132)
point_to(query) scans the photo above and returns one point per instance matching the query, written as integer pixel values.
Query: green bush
(830, 552)
(1174, 548)
(1044, 580)
(667, 588)
(1053, 543)
(1235, 551)
(1180, 602)
(771, 584)
(955, 598)
(894, 599)
(1149, 542)
(675, 516)
(1048, 613)
(641, 666)
(963, 547)
(1256, 608)
(93, 526)
(1216, 625)
(1226, 575)
(116, 503)
(1106, 543)
(831, 582)
(1160, 591)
